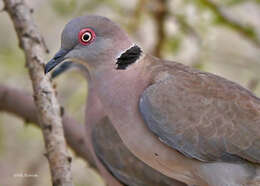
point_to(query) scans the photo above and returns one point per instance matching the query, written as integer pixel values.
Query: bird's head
(95, 42)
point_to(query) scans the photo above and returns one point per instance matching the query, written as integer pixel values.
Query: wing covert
(203, 116)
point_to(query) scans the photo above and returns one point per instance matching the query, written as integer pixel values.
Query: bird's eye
(86, 36)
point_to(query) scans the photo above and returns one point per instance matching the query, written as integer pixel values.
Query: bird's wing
(203, 116)
(110, 149)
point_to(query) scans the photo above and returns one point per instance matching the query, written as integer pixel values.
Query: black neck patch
(128, 57)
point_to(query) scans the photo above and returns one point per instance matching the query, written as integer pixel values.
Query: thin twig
(160, 13)
(48, 109)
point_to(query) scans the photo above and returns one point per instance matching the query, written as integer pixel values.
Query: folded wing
(203, 116)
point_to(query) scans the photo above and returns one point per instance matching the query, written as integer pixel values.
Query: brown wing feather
(202, 115)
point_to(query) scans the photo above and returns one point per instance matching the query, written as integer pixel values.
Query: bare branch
(21, 104)
(48, 109)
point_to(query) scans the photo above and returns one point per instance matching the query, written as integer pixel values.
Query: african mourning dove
(192, 126)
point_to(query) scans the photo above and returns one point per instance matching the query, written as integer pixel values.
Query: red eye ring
(86, 36)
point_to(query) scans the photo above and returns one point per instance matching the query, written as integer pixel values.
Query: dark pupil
(86, 37)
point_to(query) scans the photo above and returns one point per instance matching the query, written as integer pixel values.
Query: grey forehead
(98, 23)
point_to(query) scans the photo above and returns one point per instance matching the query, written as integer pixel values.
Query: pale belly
(147, 147)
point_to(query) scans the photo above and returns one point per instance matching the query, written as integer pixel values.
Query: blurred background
(218, 36)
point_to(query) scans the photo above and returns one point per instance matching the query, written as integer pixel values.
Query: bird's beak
(61, 69)
(57, 59)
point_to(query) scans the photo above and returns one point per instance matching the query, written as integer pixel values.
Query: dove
(193, 126)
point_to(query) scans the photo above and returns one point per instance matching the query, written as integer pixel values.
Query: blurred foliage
(174, 44)
(235, 2)
(12, 61)
(109, 3)
(221, 18)
(64, 7)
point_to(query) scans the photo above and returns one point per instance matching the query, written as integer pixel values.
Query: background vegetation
(219, 36)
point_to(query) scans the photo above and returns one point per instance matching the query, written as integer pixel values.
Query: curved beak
(57, 59)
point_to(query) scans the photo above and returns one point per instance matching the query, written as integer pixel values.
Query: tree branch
(48, 109)
(21, 104)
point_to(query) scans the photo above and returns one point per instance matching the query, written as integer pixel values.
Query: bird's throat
(128, 57)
